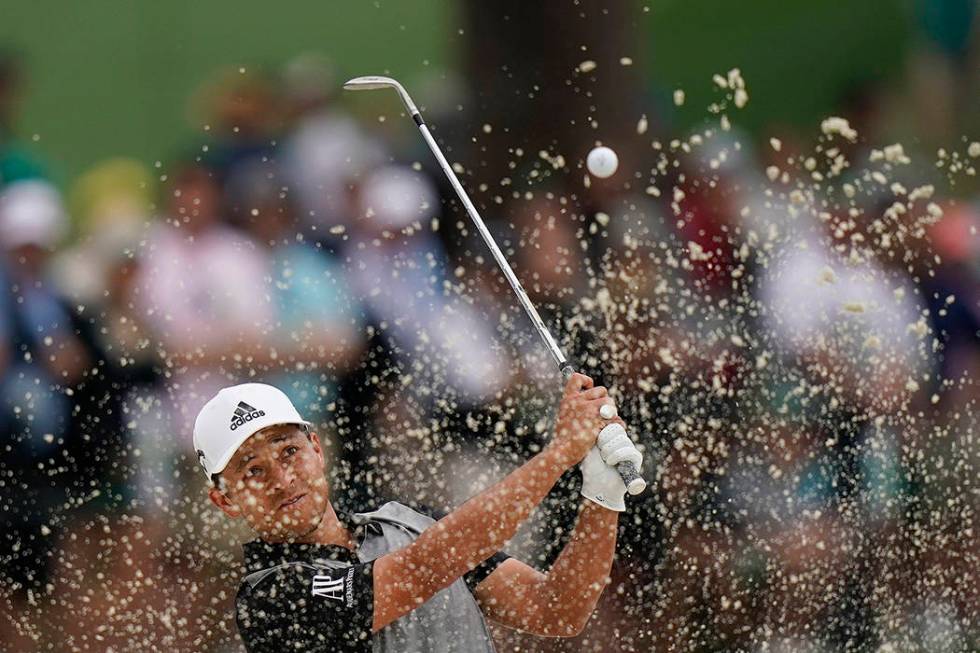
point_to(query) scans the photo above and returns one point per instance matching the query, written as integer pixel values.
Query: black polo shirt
(305, 598)
(313, 597)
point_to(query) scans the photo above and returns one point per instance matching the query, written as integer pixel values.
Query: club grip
(631, 477)
(627, 471)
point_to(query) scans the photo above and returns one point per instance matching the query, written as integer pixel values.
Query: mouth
(292, 501)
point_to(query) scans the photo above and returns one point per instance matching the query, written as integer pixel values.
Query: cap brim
(248, 430)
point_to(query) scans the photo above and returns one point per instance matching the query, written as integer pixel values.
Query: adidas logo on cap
(244, 413)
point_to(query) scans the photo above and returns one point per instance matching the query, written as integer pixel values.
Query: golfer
(395, 579)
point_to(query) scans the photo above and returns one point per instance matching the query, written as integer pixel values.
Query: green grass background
(113, 77)
(797, 56)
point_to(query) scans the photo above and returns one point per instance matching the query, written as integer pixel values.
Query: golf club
(631, 477)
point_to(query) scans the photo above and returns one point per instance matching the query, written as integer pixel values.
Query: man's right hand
(579, 421)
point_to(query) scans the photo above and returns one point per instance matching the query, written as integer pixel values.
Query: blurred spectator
(717, 178)
(43, 362)
(202, 287)
(326, 151)
(242, 115)
(100, 271)
(111, 210)
(781, 491)
(198, 271)
(15, 162)
(420, 328)
(32, 222)
(952, 291)
(400, 269)
(942, 70)
(316, 324)
(848, 318)
(548, 259)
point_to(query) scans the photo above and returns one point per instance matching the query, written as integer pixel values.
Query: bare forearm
(580, 573)
(483, 525)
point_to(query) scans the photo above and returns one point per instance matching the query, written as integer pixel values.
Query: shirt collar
(259, 554)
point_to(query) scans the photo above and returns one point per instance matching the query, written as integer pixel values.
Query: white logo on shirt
(328, 587)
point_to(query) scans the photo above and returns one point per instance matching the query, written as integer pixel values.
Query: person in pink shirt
(203, 286)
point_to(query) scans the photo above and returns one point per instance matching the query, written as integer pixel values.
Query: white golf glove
(601, 482)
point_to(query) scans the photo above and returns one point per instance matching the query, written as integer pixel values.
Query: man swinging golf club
(395, 579)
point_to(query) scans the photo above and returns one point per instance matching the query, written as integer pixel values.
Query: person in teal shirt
(16, 162)
(318, 329)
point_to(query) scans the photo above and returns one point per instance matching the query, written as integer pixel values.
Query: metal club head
(375, 82)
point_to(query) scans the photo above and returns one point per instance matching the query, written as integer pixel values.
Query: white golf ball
(602, 162)
(607, 411)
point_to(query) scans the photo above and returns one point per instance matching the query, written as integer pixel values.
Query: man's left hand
(601, 482)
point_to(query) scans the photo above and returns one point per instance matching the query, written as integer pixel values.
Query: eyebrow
(288, 435)
(241, 463)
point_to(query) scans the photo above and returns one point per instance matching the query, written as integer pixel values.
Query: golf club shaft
(522, 297)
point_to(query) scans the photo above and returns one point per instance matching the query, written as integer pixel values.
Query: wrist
(556, 458)
(591, 506)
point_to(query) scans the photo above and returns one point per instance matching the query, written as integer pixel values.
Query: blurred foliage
(110, 77)
(89, 66)
(799, 57)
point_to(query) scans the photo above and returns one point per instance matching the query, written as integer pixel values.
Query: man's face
(276, 482)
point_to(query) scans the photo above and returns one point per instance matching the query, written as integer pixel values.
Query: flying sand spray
(627, 471)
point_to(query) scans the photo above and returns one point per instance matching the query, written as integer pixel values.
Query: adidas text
(238, 420)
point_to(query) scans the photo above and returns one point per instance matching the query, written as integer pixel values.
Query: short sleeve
(478, 574)
(302, 607)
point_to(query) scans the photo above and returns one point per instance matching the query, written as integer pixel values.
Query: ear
(315, 441)
(226, 505)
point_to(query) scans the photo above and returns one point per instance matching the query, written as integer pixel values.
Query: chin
(295, 529)
(302, 520)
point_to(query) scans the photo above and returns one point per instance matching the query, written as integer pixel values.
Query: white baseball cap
(233, 416)
(31, 213)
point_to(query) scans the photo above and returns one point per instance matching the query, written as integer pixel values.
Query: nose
(280, 477)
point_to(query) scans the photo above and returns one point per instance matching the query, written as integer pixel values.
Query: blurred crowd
(793, 340)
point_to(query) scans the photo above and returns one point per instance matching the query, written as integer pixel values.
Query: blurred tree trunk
(523, 61)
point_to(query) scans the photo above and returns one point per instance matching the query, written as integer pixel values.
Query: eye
(290, 450)
(253, 471)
